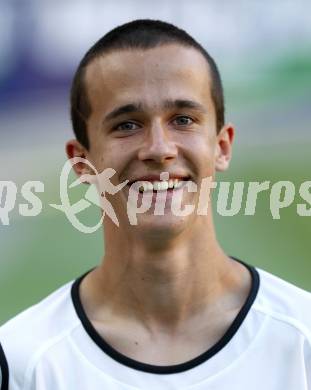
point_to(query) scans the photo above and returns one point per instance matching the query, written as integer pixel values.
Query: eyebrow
(183, 103)
(167, 104)
(126, 109)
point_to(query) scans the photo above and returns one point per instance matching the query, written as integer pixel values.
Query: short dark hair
(138, 34)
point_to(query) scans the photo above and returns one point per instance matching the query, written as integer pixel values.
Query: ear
(223, 151)
(75, 149)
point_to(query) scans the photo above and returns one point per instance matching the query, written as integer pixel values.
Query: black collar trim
(4, 370)
(171, 369)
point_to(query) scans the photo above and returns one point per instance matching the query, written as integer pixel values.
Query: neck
(164, 285)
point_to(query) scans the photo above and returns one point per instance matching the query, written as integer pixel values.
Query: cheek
(101, 157)
(199, 150)
(112, 153)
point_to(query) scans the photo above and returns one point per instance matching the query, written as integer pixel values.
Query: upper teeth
(160, 185)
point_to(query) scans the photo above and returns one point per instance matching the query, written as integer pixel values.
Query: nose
(157, 146)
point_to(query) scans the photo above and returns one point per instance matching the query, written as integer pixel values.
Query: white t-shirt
(53, 346)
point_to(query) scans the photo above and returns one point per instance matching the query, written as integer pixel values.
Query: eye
(183, 120)
(126, 126)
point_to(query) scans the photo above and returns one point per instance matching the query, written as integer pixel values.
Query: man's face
(152, 112)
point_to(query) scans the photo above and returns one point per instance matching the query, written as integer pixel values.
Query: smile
(156, 186)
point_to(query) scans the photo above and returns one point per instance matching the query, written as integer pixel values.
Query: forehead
(150, 76)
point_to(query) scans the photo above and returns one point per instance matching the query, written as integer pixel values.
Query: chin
(162, 226)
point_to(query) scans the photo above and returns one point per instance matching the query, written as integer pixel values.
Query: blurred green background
(267, 80)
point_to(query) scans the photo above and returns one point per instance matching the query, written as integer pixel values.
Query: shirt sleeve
(4, 371)
(307, 357)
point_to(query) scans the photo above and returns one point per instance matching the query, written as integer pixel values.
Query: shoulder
(28, 335)
(284, 303)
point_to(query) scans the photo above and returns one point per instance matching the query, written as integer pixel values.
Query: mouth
(151, 185)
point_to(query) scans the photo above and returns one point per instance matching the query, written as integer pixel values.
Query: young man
(166, 308)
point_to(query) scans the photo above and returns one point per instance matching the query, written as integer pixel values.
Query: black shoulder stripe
(4, 370)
